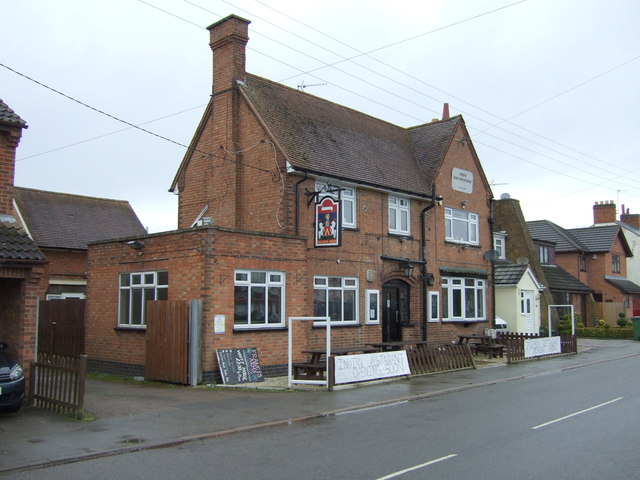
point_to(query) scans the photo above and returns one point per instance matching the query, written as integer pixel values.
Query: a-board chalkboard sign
(239, 365)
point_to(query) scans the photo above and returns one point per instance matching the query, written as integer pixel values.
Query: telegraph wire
(117, 119)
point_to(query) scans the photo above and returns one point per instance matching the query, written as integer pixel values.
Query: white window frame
(399, 210)
(348, 201)
(544, 253)
(372, 314)
(434, 301)
(245, 278)
(327, 284)
(150, 288)
(500, 245)
(460, 287)
(455, 217)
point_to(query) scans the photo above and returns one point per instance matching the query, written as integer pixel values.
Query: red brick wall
(9, 139)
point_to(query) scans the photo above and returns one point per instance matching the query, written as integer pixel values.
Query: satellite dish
(522, 260)
(505, 196)
(491, 255)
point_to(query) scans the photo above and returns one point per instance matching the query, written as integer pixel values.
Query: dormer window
(543, 251)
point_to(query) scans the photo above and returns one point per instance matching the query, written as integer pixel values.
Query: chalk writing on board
(239, 365)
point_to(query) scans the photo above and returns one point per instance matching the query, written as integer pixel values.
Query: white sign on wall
(536, 347)
(462, 180)
(370, 366)
(218, 323)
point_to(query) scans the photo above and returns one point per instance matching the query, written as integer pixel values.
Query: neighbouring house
(43, 243)
(596, 256)
(22, 264)
(604, 213)
(62, 225)
(294, 206)
(520, 259)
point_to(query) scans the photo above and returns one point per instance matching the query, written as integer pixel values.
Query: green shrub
(604, 332)
(622, 320)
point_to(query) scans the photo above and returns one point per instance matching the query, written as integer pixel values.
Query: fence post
(81, 379)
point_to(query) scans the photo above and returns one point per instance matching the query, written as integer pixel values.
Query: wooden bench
(308, 370)
(490, 350)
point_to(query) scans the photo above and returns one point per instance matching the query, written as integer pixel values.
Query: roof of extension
(9, 117)
(560, 280)
(323, 138)
(62, 220)
(16, 246)
(594, 239)
(508, 273)
(625, 285)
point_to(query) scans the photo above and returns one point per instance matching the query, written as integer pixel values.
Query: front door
(395, 310)
(526, 309)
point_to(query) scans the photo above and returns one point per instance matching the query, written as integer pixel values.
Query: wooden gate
(61, 327)
(167, 357)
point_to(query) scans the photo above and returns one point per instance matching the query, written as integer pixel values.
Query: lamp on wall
(407, 267)
(136, 245)
(464, 203)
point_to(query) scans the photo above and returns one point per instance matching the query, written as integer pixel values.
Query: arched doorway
(395, 309)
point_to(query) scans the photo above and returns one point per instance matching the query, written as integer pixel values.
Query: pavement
(128, 417)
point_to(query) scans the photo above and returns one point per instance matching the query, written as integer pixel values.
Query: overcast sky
(549, 89)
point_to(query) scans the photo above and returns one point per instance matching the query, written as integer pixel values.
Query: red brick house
(62, 224)
(594, 255)
(22, 264)
(255, 189)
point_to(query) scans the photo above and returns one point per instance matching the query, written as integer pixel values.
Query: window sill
(337, 325)
(253, 329)
(125, 328)
(401, 236)
(462, 244)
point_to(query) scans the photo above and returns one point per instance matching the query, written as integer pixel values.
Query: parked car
(501, 325)
(11, 382)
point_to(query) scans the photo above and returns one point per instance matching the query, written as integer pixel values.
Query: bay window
(463, 299)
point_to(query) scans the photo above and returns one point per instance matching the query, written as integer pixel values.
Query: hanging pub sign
(328, 223)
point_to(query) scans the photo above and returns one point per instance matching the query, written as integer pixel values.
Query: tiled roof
(508, 273)
(61, 220)
(598, 238)
(16, 246)
(8, 116)
(560, 280)
(324, 138)
(624, 285)
(550, 232)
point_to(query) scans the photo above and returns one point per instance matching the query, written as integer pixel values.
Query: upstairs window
(348, 197)
(544, 254)
(615, 263)
(399, 216)
(583, 263)
(499, 244)
(461, 226)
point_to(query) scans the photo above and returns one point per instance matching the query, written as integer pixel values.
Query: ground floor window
(372, 298)
(337, 298)
(463, 299)
(434, 306)
(258, 299)
(135, 290)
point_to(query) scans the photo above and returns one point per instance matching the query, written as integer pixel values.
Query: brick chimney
(11, 126)
(604, 212)
(630, 219)
(445, 112)
(228, 39)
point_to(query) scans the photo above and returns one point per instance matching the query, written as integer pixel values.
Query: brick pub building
(408, 261)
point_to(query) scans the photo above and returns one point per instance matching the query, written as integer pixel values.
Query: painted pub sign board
(327, 223)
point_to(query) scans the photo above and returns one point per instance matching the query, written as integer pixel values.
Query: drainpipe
(492, 221)
(298, 204)
(423, 267)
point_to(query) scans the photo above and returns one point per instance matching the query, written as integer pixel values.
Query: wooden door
(167, 357)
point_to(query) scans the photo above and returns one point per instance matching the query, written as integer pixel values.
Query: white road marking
(366, 409)
(576, 413)
(417, 467)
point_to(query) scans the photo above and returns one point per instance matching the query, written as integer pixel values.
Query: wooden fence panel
(57, 383)
(514, 343)
(608, 311)
(61, 327)
(431, 359)
(167, 357)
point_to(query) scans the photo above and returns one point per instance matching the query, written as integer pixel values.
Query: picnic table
(482, 343)
(315, 367)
